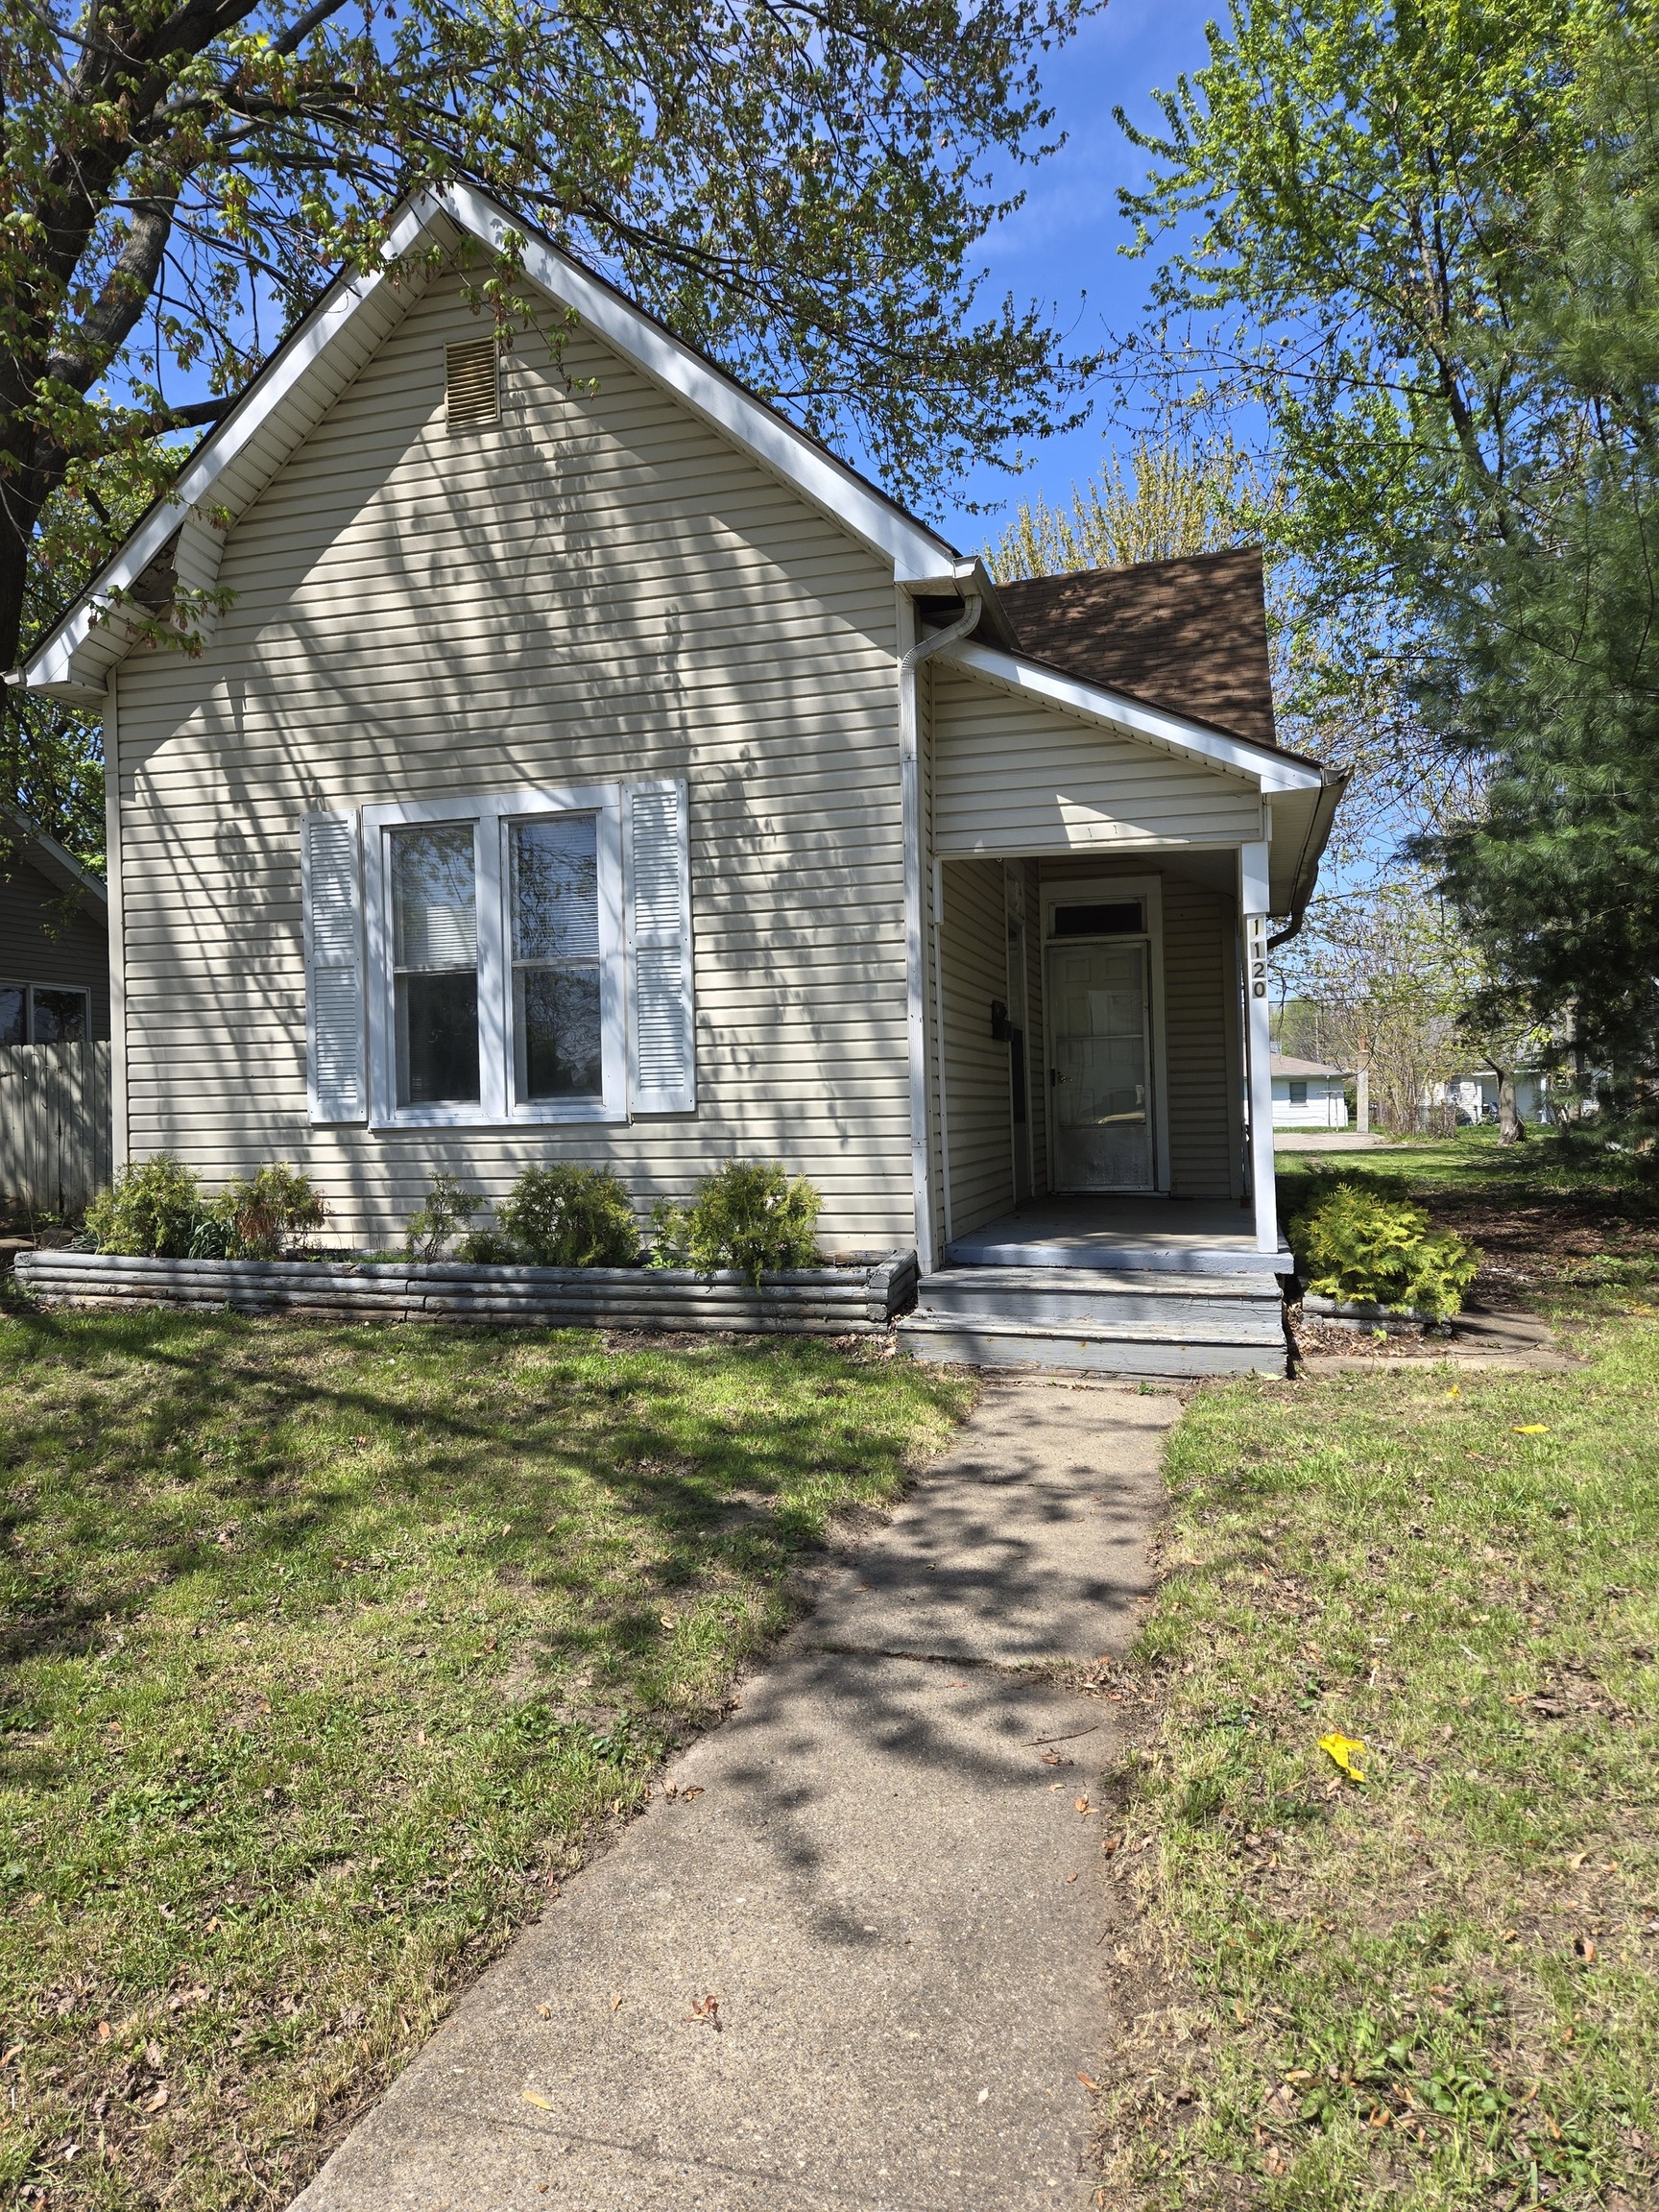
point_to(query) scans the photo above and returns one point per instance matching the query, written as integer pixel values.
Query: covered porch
(1093, 1001)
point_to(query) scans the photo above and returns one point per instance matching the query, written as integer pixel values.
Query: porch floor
(1121, 1236)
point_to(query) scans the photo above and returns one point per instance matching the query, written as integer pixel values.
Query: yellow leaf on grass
(1345, 1750)
(1533, 1428)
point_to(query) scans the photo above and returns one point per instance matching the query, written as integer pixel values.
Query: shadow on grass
(150, 1449)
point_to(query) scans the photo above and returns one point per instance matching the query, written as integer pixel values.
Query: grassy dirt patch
(1555, 1218)
(327, 1652)
(1438, 1987)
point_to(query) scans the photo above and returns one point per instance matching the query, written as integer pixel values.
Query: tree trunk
(1511, 1129)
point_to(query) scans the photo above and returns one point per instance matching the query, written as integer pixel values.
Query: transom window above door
(521, 956)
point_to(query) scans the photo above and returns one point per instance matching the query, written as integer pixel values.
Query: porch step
(1125, 1322)
(996, 1247)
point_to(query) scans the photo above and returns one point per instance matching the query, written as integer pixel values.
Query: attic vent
(469, 388)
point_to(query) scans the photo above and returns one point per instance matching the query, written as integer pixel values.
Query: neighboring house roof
(19, 835)
(1190, 634)
(1282, 1065)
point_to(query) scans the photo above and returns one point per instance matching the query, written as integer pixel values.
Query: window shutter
(332, 883)
(661, 1050)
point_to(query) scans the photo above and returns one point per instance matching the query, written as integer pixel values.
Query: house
(1308, 1095)
(1473, 1096)
(575, 760)
(53, 941)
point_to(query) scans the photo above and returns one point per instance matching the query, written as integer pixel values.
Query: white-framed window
(504, 958)
(44, 1013)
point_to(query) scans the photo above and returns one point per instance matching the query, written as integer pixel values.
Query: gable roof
(20, 837)
(294, 388)
(1189, 635)
(1280, 1064)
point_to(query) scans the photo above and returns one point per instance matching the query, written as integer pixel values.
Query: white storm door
(1101, 1067)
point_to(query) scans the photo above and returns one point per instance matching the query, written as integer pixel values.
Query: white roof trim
(1271, 771)
(916, 553)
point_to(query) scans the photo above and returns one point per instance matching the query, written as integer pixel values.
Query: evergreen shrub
(751, 1216)
(1359, 1244)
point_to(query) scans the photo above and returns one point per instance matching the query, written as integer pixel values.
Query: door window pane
(12, 1005)
(435, 959)
(59, 1016)
(556, 990)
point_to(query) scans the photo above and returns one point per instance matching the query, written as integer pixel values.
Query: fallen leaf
(695, 1791)
(705, 2008)
(155, 2103)
(152, 2055)
(616, 2001)
(1532, 1429)
(1083, 1806)
(666, 1619)
(983, 2094)
(1345, 1750)
(1585, 1949)
(1090, 2083)
(545, 2011)
(1071, 1877)
(102, 2037)
(7, 2056)
(532, 2096)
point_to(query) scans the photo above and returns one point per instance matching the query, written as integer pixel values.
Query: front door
(1101, 1067)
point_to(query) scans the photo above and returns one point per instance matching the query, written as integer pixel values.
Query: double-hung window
(517, 957)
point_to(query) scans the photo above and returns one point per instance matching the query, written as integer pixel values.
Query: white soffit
(336, 341)
(1269, 771)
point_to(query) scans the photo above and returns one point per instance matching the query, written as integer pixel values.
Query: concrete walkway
(850, 1957)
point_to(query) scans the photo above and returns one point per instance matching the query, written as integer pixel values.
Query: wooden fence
(55, 1126)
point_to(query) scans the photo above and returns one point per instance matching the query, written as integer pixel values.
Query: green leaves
(1355, 1244)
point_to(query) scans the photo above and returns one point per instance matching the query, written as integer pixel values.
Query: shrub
(568, 1217)
(488, 1248)
(447, 1210)
(1352, 1243)
(257, 1216)
(749, 1217)
(149, 1212)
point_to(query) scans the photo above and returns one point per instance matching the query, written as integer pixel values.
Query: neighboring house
(53, 941)
(1474, 1096)
(1308, 1095)
(586, 765)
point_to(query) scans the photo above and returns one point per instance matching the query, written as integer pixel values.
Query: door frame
(1101, 890)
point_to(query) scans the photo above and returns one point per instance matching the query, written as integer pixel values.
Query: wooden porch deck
(1122, 1236)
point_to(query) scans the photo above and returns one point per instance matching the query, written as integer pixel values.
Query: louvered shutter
(331, 876)
(662, 1052)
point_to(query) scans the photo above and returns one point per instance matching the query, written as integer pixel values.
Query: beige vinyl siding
(1036, 1037)
(596, 586)
(979, 1115)
(1204, 1096)
(1013, 775)
(1204, 1101)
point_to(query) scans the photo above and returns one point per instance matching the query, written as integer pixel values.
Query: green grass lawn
(328, 1650)
(1438, 1987)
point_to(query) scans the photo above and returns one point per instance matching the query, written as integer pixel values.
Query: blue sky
(1063, 245)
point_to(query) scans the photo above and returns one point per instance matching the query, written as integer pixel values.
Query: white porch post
(1257, 1042)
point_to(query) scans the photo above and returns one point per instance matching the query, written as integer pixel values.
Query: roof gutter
(1335, 782)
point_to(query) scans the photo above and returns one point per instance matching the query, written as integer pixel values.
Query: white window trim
(496, 1108)
(1103, 890)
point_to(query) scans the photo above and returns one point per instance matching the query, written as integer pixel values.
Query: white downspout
(914, 651)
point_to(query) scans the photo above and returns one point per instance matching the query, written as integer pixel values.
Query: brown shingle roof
(1190, 636)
